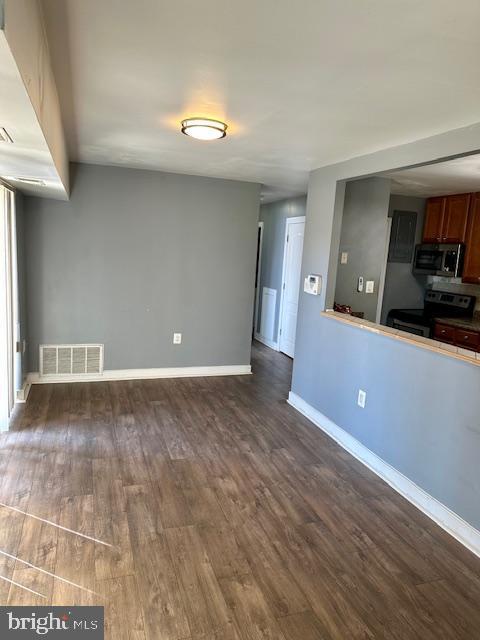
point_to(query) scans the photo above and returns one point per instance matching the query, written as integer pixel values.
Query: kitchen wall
(431, 436)
(363, 237)
(274, 216)
(403, 289)
(136, 255)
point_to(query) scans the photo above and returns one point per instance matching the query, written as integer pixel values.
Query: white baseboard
(438, 512)
(22, 393)
(144, 374)
(267, 342)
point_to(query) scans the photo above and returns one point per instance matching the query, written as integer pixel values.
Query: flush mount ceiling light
(204, 128)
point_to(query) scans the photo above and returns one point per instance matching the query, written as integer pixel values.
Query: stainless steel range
(437, 304)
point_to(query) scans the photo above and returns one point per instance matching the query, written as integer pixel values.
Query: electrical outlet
(370, 286)
(360, 284)
(362, 398)
(344, 258)
(177, 338)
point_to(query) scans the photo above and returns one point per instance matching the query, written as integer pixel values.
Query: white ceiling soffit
(300, 84)
(461, 175)
(37, 150)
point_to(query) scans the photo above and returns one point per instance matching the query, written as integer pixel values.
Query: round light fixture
(204, 128)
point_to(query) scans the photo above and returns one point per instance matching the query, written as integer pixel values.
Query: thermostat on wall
(313, 284)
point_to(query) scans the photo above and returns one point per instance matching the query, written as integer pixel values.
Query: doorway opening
(279, 263)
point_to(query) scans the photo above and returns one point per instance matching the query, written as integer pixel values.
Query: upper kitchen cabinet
(446, 218)
(455, 218)
(471, 269)
(434, 217)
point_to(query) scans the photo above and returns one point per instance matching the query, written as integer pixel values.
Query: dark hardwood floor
(209, 509)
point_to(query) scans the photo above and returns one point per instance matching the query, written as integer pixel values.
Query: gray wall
(363, 236)
(136, 255)
(403, 289)
(431, 435)
(274, 216)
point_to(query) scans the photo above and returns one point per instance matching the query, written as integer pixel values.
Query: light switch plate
(344, 258)
(360, 284)
(370, 286)
(177, 338)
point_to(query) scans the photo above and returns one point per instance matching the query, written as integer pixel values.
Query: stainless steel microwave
(439, 259)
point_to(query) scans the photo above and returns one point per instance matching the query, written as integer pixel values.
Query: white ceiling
(461, 175)
(301, 84)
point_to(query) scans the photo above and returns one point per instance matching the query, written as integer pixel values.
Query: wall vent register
(71, 359)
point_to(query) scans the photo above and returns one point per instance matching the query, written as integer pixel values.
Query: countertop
(442, 348)
(472, 324)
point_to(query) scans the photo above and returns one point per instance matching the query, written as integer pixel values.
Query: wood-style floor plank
(123, 608)
(209, 509)
(227, 558)
(252, 613)
(303, 625)
(158, 588)
(282, 593)
(75, 557)
(202, 597)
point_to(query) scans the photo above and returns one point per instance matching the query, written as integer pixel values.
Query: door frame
(288, 222)
(8, 306)
(259, 275)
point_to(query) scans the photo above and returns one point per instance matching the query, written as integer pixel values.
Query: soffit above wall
(27, 106)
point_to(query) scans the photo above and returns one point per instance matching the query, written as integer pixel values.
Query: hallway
(208, 508)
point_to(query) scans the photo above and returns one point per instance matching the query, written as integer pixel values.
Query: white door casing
(258, 277)
(8, 305)
(292, 266)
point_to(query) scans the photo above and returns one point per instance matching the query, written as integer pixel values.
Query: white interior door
(292, 265)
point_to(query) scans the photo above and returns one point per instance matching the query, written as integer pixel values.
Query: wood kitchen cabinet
(467, 339)
(444, 333)
(455, 218)
(458, 336)
(471, 269)
(446, 218)
(434, 216)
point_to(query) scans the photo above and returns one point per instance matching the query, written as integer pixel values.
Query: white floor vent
(71, 359)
